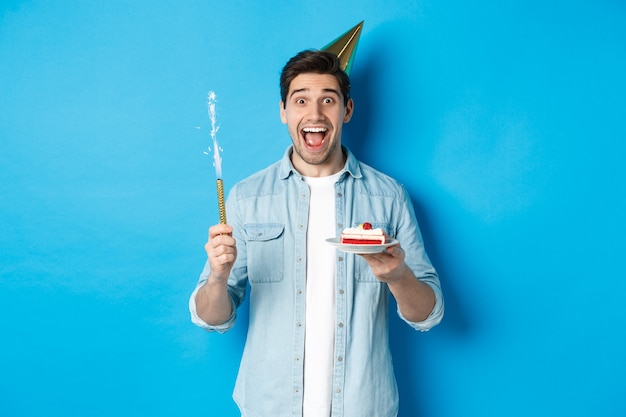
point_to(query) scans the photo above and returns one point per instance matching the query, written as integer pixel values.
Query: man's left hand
(388, 266)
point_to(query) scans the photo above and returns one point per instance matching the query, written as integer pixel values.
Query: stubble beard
(317, 158)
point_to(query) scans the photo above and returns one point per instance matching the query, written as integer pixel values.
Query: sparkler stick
(220, 200)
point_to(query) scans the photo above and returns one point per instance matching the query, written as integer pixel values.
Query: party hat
(345, 47)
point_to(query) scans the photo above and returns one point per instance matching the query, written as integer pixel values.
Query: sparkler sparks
(217, 159)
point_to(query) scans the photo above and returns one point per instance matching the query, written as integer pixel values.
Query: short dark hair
(318, 62)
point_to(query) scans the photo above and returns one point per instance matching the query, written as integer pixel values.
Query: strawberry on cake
(364, 234)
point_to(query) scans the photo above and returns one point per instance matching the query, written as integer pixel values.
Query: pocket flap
(263, 231)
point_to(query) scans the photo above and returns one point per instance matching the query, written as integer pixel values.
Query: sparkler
(217, 159)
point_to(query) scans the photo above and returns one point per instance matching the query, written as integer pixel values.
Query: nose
(315, 110)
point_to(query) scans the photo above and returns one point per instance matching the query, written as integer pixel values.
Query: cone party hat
(345, 47)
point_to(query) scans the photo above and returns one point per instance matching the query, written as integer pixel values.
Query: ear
(349, 111)
(283, 115)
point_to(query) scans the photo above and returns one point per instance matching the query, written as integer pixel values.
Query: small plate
(360, 249)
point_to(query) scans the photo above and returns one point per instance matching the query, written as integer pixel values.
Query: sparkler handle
(220, 201)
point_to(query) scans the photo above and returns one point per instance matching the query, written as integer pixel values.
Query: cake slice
(364, 234)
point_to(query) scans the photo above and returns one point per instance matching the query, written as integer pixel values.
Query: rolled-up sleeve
(435, 316)
(195, 318)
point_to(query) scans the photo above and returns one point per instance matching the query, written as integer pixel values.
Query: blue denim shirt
(268, 212)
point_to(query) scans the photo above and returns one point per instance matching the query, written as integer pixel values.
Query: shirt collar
(352, 166)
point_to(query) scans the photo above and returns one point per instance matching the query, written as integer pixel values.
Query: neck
(326, 169)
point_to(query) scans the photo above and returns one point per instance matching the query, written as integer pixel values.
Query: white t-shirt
(320, 298)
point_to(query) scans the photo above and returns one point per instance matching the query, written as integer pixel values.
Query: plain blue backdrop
(505, 121)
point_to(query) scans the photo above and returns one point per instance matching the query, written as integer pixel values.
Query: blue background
(505, 120)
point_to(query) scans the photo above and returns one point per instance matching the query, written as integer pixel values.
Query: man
(317, 341)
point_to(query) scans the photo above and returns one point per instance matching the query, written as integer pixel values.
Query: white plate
(360, 249)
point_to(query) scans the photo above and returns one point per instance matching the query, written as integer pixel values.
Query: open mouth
(314, 137)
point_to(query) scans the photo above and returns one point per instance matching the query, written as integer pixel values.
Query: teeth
(314, 129)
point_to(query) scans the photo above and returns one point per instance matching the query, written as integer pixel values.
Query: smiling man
(314, 112)
(317, 343)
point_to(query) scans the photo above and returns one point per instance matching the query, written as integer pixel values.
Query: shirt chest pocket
(265, 252)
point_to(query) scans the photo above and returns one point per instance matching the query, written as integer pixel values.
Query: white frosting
(362, 232)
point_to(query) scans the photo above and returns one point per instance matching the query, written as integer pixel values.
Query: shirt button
(341, 292)
(337, 390)
(340, 358)
(340, 225)
(340, 258)
(298, 324)
(299, 292)
(339, 195)
(340, 324)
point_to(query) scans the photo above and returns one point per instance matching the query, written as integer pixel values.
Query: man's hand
(388, 266)
(222, 252)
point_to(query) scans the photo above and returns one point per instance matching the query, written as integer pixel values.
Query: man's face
(314, 114)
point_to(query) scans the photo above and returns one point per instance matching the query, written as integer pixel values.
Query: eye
(328, 100)
(300, 101)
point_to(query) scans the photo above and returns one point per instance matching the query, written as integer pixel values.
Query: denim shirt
(268, 212)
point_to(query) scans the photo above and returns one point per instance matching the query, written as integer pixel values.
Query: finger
(373, 259)
(396, 251)
(221, 245)
(222, 258)
(220, 229)
(223, 261)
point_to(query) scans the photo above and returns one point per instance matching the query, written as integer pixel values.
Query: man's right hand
(222, 252)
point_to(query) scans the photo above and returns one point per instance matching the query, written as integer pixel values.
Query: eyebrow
(326, 90)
